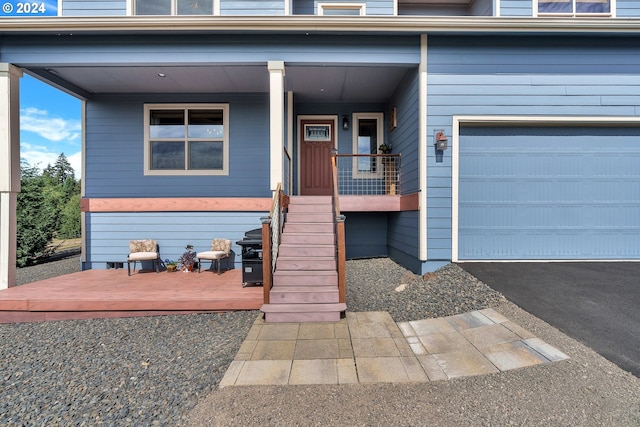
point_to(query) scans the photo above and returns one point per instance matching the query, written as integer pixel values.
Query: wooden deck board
(111, 293)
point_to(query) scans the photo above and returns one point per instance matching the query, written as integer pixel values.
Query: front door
(317, 140)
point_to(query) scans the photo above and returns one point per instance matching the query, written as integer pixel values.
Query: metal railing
(271, 231)
(368, 174)
(340, 233)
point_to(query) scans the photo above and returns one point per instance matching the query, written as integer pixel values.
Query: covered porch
(110, 293)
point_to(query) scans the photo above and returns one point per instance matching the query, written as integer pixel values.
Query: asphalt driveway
(595, 303)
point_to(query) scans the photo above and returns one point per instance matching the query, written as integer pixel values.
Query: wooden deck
(111, 293)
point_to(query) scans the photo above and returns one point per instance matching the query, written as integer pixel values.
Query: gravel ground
(165, 370)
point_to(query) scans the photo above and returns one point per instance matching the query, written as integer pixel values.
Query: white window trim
(355, 126)
(362, 7)
(186, 172)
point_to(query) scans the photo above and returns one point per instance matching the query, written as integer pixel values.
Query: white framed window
(368, 136)
(173, 7)
(342, 9)
(575, 8)
(186, 139)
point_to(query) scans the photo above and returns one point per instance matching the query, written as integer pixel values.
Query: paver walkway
(370, 347)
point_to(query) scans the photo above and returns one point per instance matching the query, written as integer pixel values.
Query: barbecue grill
(251, 257)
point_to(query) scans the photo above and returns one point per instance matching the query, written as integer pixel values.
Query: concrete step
(305, 278)
(303, 312)
(306, 263)
(308, 227)
(306, 250)
(304, 294)
(308, 238)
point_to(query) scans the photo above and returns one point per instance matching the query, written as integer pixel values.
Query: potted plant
(384, 148)
(187, 260)
(171, 265)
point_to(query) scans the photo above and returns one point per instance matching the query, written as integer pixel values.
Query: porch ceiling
(309, 83)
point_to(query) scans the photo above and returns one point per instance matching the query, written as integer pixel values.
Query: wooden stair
(305, 281)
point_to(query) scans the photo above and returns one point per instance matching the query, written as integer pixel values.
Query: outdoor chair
(220, 249)
(143, 250)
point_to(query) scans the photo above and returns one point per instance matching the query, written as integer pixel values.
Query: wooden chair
(220, 249)
(143, 250)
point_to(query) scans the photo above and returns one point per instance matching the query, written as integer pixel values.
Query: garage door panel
(549, 193)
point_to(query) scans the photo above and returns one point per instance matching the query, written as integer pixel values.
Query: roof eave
(318, 24)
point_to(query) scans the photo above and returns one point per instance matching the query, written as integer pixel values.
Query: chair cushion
(221, 245)
(212, 255)
(143, 256)
(146, 245)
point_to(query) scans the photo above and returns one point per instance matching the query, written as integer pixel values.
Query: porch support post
(9, 170)
(422, 149)
(276, 121)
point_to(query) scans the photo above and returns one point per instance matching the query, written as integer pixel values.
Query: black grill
(251, 257)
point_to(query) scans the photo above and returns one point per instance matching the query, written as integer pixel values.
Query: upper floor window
(368, 136)
(341, 9)
(174, 7)
(574, 7)
(186, 140)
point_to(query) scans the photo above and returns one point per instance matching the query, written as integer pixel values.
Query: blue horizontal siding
(516, 8)
(542, 55)
(115, 148)
(627, 8)
(109, 233)
(489, 76)
(209, 49)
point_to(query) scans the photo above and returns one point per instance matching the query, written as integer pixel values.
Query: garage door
(547, 193)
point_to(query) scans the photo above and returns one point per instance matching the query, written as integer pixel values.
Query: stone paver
(370, 348)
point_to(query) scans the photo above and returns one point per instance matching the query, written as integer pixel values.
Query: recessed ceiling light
(162, 75)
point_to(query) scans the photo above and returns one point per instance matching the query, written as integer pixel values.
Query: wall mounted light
(345, 122)
(441, 141)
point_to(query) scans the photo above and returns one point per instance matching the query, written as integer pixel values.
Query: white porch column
(276, 121)
(422, 149)
(9, 170)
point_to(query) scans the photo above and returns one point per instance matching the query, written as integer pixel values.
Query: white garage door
(547, 193)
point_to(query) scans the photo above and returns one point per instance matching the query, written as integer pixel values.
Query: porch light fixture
(162, 75)
(345, 122)
(441, 141)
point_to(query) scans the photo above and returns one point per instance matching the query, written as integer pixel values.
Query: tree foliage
(48, 206)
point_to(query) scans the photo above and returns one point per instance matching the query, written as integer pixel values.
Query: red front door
(317, 140)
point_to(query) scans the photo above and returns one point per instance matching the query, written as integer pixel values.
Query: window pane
(166, 124)
(592, 6)
(153, 7)
(367, 144)
(195, 7)
(167, 155)
(206, 124)
(205, 155)
(555, 6)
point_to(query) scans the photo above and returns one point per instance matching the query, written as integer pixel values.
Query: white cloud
(41, 157)
(52, 128)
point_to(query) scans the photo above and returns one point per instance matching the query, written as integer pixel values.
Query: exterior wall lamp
(345, 122)
(441, 141)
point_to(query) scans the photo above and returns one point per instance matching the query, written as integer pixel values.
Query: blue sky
(49, 125)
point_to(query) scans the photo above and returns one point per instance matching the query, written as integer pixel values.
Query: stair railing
(271, 231)
(339, 227)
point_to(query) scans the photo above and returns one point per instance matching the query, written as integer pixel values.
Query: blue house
(513, 126)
